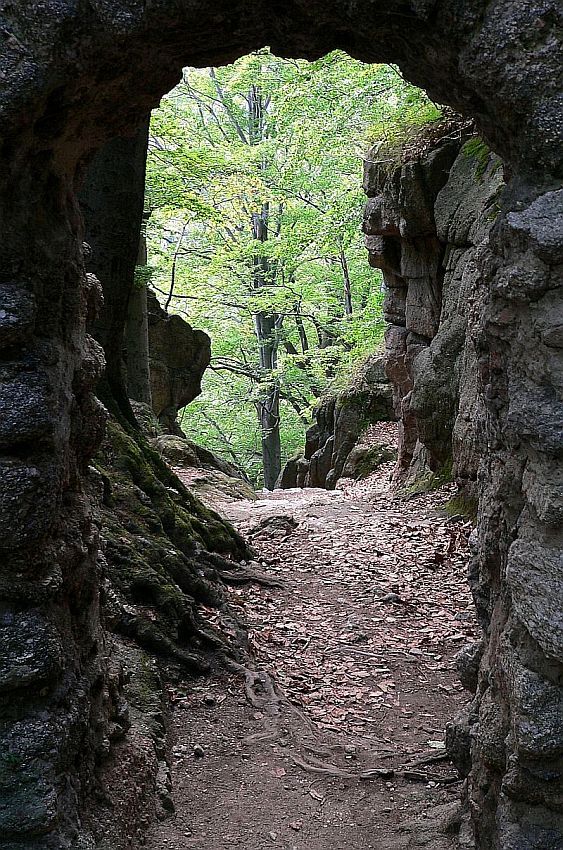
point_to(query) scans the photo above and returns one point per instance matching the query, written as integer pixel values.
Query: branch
(173, 275)
(226, 107)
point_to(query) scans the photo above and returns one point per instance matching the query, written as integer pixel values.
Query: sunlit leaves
(214, 162)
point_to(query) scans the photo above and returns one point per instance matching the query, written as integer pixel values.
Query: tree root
(403, 771)
(147, 635)
(428, 758)
(261, 693)
(419, 776)
(247, 576)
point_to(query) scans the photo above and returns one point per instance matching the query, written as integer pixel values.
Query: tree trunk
(137, 336)
(112, 201)
(265, 327)
(265, 324)
(301, 331)
(269, 412)
(347, 284)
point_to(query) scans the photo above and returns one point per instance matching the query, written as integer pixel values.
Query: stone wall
(77, 74)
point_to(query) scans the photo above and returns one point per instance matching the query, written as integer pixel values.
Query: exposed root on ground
(327, 769)
(248, 576)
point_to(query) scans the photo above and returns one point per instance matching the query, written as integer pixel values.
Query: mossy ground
(464, 506)
(162, 547)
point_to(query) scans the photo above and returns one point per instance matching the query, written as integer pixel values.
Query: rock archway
(75, 74)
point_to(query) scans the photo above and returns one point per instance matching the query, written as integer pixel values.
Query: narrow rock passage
(341, 745)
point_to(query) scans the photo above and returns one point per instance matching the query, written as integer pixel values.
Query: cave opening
(75, 78)
(291, 309)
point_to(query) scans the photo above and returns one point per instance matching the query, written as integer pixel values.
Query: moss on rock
(428, 481)
(363, 460)
(161, 547)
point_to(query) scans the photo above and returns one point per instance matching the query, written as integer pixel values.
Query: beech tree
(254, 187)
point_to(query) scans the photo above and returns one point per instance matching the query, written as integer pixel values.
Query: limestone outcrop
(340, 420)
(75, 75)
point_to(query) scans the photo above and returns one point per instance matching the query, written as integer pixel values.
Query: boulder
(179, 355)
(363, 460)
(340, 420)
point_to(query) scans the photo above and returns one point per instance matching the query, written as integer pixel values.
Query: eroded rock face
(75, 75)
(457, 404)
(339, 422)
(179, 355)
(424, 223)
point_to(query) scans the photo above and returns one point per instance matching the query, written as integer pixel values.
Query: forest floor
(337, 741)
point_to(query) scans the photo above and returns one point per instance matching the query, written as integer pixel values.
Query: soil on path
(340, 744)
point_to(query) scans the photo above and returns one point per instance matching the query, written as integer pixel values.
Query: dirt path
(358, 645)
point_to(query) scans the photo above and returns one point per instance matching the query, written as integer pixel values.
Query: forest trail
(340, 744)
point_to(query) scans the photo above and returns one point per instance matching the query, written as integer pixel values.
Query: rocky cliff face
(161, 557)
(424, 223)
(429, 223)
(179, 355)
(78, 74)
(340, 420)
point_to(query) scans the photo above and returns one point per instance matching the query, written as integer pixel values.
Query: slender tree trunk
(112, 201)
(269, 412)
(268, 405)
(347, 284)
(304, 341)
(265, 328)
(137, 340)
(137, 336)
(174, 264)
(265, 324)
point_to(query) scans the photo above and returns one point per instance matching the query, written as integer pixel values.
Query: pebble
(390, 597)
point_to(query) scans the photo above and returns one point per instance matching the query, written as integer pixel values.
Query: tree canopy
(254, 189)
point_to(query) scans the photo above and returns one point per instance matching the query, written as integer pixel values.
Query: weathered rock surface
(77, 75)
(440, 248)
(210, 477)
(161, 553)
(363, 460)
(424, 222)
(340, 420)
(179, 355)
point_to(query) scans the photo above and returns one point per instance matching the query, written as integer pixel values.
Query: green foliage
(282, 142)
(401, 113)
(143, 276)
